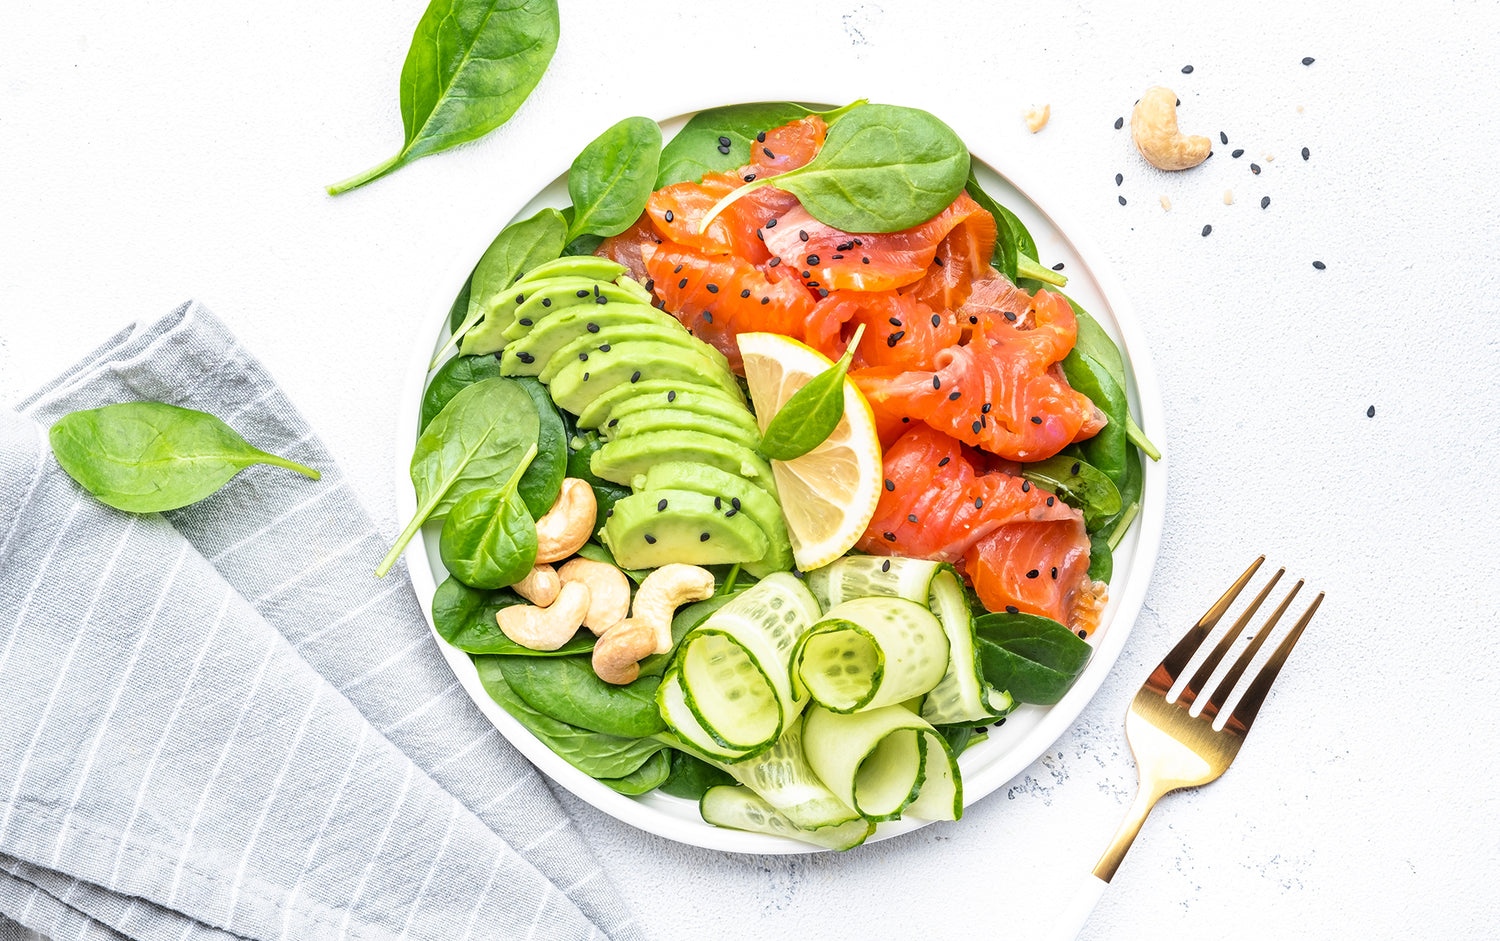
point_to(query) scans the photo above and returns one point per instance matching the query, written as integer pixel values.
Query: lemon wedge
(829, 494)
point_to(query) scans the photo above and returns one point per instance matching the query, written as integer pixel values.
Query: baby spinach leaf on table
(648, 777)
(883, 168)
(518, 248)
(489, 538)
(699, 148)
(542, 481)
(568, 689)
(690, 776)
(611, 180)
(1078, 484)
(595, 754)
(812, 413)
(1106, 449)
(465, 618)
(147, 457)
(470, 66)
(479, 436)
(451, 378)
(1035, 658)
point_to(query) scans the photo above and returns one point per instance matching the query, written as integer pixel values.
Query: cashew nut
(1153, 126)
(567, 526)
(550, 627)
(609, 591)
(540, 586)
(618, 651)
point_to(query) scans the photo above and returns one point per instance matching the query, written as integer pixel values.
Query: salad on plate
(775, 469)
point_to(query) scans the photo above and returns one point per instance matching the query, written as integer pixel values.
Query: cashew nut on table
(649, 630)
(1153, 127)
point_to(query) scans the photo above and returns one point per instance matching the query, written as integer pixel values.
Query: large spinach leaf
(465, 618)
(518, 248)
(470, 66)
(883, 168)
(1015, 253)
(146, 457)
(478, 437)
(543, 479)
(451, 378)
(690, 777)
(460, 307)
(1035, 658)
(489, 538)
(1106, 449)
(568, 689)
(611, 180)
(595, 754)
(648, 777)
(700, 148)
(1079, 484)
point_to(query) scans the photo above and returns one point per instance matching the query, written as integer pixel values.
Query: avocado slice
(623, 459)
(700, 400)
(581, 381)
(732, 495)
(656, 393)
(608, 337)
(547, 298)
(655, 527)
(671, 419)
(572, 266)
(568, 325)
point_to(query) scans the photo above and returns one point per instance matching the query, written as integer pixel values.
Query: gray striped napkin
(215, 723)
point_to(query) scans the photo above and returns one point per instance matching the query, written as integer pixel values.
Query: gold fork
(1175, 749)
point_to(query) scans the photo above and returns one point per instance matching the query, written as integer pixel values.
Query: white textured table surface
(151, 152)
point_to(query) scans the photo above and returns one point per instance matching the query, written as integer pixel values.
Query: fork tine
(1200, 679)
(1172, 665)
(1247, 656)
(1244, 713)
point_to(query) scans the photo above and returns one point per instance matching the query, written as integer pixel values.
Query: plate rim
(1143, 391)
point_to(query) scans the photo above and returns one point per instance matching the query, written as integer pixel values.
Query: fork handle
(1086, 895)
(1070, 921)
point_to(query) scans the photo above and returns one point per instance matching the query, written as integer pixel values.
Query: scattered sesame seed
(1319, 265)
(1077, 466)
(767, 152)
(583, 293)
(1036, 420)
(703, 537)
(1119, 178)
(650, 540)
(1370, 412)
(1057, 267)
(911, 517)
(812, 259)
(775, 260)
(760, 138)
(822, 292)
(802, 234)
(978, 503)
(713, 289)
(770, 223)
(1265, 201)
(1119, 122)
(546, 302)
(583, 357)
(749, 178)
(1081, 633)
(937, 383)
(745, 293)
(765, 300)
(894, 321)
(723, 149)
(953, 396)
(635, 376)
(1207, 229)
(885, 566)
(1255, 169)
(837, 257)
(585, 377)
(661, 505)
(1122, 200)
(604, 348)
(807, 274)
(525, 321)
(1308, 60)
(890, 484)
(1010, 609)
(526, 357)
(1187, 70)
(1033, 573)
(734, 502)
(730, 512)
(718, 503)
(944, 461)
(1009, 315)
(601, 299)
(976, 426)
(1306, 153)
(708, 316)
(985, 408)
(672, 396)
(936, 320)
(865, 260)
(668, 216)
(1025, 486)
(895, 338)
(938, 261)
(1237, 153)
(724, 140)
(889, 537)
(1051, 500)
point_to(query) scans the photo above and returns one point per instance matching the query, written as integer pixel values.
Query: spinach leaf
(812, 413)
(1130, 498)
(961, 738)
(470, 66)
(610, 181)
(1094, 343)
(451, 378)
(146, 457)
(542, 481)
(1105, 450)
(1078, 484)
(465, 618)
(648, 777)
(518, 248)
(568, 689)
(479, 435)
(606, 494)
(690, 776)
(883, 168)
(699, 148)
(595, 754)
(460, 307)
(1035, 658)
(1101, 557)
(489, 538)
(1006, 238)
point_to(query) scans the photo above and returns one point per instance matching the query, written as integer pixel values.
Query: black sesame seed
(668, 216)
(760, 138)
(604, 348)
(749, 178)
(1306, 153)
(765, 300)
(812, 259)
(1255, 169)
(976, 426)
(1051, 500)
(865, 260)
(953, 396)
(703, 537)
(822, 292)
(677, 270)
(1122, 200)
(650, 540)
(1025, 486)
(889, 537)
(723, 149)
(730, 512)
(1223, 138)
(713, 289)
(1032, 573)
(774, 261)
(1319, 265)
(672, 396)
(1207, 229)
(985, 408)
(1265, 201)
(767, 152)
(1119, 123)
(635, 376)
(1081, 633)
(546, 302)
(525, 321)
(802, 234)
(1370, 412)
(601, 299)
(1077, 466)
(807, 274)
(973, 319)
(770, 223)
(725, 141)
(978, 503)
(895, 338)
(1009, 315)
(1119, 178)
(612, 422)
(583, 293)
(585, 377)
(944, 461)
(1054, 573)
(609, 512)
(885, 566)
(937, 383)
(745, 293)
(936, 320)
(682, 284)
(661, 505)
(911, 517)
(905, 421)
(1187, 70)
(837, 257)
(1308, 60)
(526, 357)
(1010, 609)
(1036, 420)
(890, 484)
(1237, 153)
(718, 503)
(1057, 267)
(583, 357)
(894, 321)
(938, 261)
(708, 317)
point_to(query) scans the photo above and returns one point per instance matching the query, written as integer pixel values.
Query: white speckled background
(151, 152)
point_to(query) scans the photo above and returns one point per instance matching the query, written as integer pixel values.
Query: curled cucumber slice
(871, 652)
(739, 808)
(884, 761)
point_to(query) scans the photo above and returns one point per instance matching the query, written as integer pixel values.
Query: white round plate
(1029, 730)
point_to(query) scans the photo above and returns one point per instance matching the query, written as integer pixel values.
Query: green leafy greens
(611, 180)
(489, 538)
(1035, 658)
(470, 66)
(146, 457)
(812, 413)
(699, 148)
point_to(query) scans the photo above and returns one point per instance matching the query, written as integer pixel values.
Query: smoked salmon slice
(899, 329)
(1003, 389)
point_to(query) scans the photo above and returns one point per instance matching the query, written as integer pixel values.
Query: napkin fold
(215, 723)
